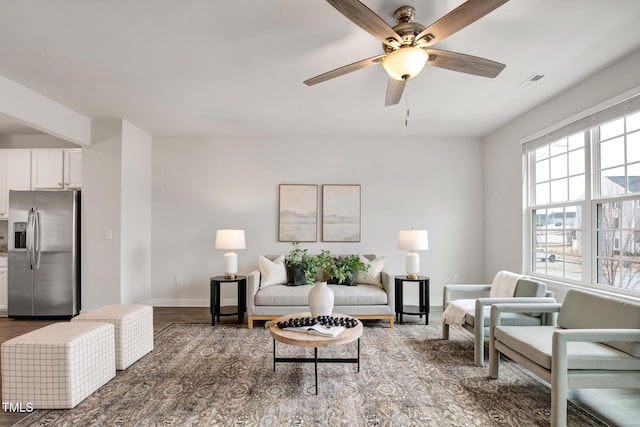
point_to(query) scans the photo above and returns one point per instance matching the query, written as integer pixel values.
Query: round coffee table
(301, 339)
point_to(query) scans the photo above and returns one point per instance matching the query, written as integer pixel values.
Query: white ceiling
(203, 67)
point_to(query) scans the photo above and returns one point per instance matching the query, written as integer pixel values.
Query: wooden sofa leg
(250, 322)
(391, 319)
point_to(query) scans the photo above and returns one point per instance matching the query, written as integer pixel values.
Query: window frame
(589, 125)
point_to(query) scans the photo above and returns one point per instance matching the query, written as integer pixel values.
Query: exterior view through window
(583, 201)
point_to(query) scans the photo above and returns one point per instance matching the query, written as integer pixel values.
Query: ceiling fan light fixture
(405, 63)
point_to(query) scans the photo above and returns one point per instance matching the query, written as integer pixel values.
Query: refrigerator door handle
(36, 237)
(29, 242)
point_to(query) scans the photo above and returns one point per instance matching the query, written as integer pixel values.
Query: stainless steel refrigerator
(44, 253)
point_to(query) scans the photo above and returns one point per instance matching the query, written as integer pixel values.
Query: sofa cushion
(282, 295)
(586, 310)
(373, 275)
(360, 294)
(535, 343)
(272, 272)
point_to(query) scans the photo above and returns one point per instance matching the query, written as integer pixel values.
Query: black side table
(423, 308)
(214, 300)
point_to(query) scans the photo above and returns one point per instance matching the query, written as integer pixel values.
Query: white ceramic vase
(321, 300)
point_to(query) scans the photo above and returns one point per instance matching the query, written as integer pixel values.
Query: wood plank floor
(617, 407)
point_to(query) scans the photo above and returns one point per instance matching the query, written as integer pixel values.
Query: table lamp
(413, 240)
(230, 240)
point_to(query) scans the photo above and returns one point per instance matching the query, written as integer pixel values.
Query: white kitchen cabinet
(56, 169)
(47, 169)
(15, 174)
(72, 168)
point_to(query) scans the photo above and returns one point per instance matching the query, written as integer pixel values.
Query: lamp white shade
(405, 63)
(230, 239)
(413, 240)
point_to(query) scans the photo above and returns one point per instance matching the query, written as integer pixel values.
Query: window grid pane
(558, 177)
(618, 243)
(557, 242)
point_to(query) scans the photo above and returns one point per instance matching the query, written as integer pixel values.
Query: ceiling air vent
(531, 80)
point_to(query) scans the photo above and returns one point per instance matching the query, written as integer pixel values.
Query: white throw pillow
(272, 272)
(371, 276)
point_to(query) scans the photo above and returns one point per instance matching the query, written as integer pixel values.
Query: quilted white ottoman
(57, 366)
(133, 330)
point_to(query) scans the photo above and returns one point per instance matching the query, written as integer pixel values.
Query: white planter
(321, 300)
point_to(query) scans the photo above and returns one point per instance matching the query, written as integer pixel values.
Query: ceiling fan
(407, 45)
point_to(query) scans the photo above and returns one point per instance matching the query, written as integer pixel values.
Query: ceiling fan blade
(344, 70)
(367, 19)
(465, 14)
(464, 63)
(394, 91)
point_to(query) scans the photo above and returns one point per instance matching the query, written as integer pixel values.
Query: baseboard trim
(188, 302)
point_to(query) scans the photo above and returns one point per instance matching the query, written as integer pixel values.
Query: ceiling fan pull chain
(406, 103)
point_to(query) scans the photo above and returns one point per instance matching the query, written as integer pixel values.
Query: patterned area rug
(201, 375)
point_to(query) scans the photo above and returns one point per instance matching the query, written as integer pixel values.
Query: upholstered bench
(133, 330)
(57, 366)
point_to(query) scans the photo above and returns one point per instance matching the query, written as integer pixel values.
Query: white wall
(503, 191)
(135, 255)
(116, 189)
(101, 183)
(201, 185)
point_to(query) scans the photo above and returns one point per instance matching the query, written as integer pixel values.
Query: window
(583, 200)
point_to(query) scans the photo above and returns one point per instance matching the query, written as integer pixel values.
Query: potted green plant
(301, 267)
(327, 266)
(348, 267)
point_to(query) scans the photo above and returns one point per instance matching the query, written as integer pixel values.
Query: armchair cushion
(535, 342)
(592, 311)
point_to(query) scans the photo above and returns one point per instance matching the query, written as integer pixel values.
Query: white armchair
(477, 320)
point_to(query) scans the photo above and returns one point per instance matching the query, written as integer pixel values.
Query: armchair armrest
(479, 325)
(497, 309)
(559, 359)
(473, 289)
(462, 288)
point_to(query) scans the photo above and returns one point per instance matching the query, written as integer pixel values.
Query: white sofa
(363, 301)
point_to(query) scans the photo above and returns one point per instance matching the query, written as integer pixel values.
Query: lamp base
(230, 264)
(412, 265)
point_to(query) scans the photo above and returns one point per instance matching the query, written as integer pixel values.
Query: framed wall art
(298, 213)
(340, 213)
